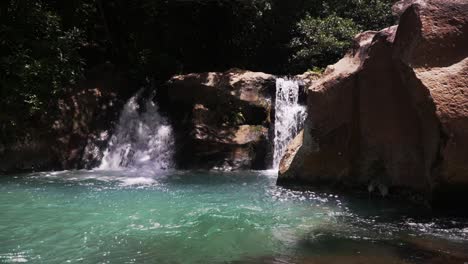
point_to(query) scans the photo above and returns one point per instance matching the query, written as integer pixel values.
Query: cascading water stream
(142, 139)
(289, 116)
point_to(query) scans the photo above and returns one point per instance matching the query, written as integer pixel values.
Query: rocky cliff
(393, 113)
(221, 120)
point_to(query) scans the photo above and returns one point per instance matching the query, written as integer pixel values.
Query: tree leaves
(322, 41)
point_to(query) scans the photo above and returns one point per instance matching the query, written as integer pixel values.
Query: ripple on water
(199, 217)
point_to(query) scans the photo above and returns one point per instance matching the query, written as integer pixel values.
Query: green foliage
(322, 41)
(39, 57)
(322, 38)
(368, 14)
(317, 70)
(239, 118)
(47, 46)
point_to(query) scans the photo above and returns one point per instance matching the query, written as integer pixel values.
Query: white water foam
(289, 116)
(143, 139)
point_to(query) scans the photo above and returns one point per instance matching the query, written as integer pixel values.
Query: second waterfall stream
(289, 116)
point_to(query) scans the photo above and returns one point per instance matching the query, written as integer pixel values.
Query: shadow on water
(331, 248)
(213, 178)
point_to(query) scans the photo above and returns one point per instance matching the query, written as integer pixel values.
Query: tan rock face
(243, 92)
(437, 52)
(291, 152)
(433, 33)
(394, 110)
(222, 120)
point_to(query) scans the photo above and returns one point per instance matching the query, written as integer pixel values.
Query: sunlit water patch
(135, 216)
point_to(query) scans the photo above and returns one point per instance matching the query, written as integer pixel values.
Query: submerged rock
(221, 120)
(394, 110)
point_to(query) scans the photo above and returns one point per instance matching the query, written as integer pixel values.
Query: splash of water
(289, 116)
(142, 139)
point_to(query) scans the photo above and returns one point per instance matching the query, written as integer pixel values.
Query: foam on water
(143, 139)
(138, 181)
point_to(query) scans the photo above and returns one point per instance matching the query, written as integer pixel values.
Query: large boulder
(221, 120)
(393, 113)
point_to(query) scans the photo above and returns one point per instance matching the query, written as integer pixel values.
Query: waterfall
(289, 116)
(142, 138)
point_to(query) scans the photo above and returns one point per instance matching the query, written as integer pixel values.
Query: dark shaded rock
(31, 153)
(450, 251)
(243, 147)
(400, 6)
(393, 112)
(221, 120)
(73, 133)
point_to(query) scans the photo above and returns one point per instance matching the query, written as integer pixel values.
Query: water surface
(200, 217)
